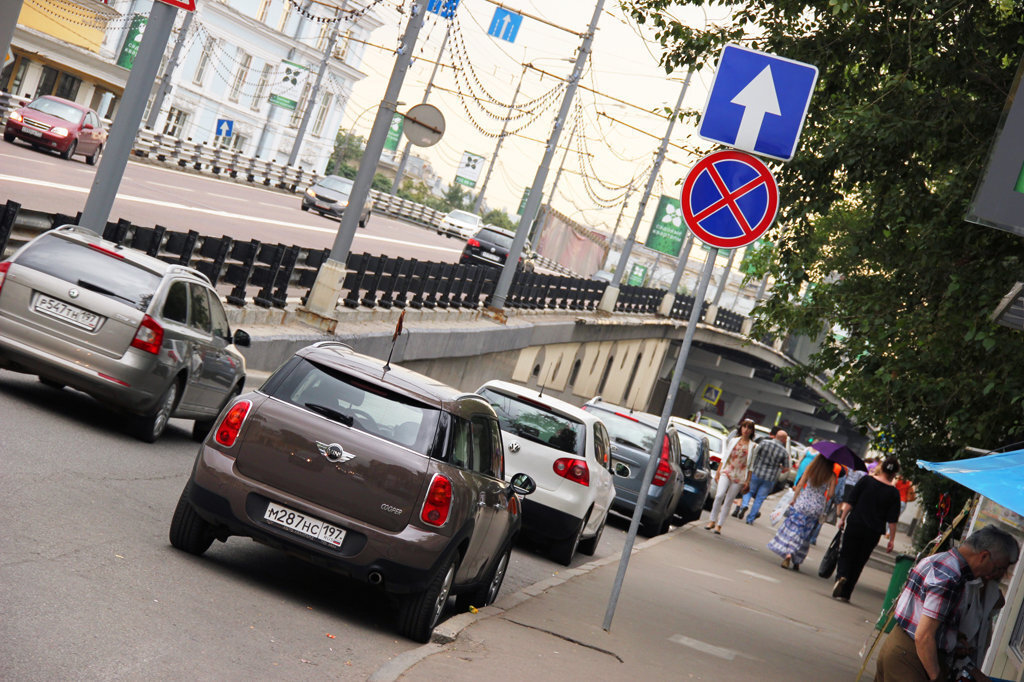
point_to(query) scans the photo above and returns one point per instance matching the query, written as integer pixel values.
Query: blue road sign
(224, 127)
(729, 199)
(446, 8)
(505, 24)
(758, 102)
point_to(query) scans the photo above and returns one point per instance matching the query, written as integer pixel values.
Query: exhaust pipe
(375, 578)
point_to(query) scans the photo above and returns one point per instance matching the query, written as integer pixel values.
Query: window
(175, 123)
(602, 444)
(301, 108)
(574, 374)
(219, 318)
(46, 82)
(536, 422)
(487, 447)
(19, 75)
(176, 304)
(325, 31)
(235, 142)
(261, 13)
(286, 12)
(204, 60)
(261, 87)
(321, 113)
(341, 47)
(244, 60)
(200, 318)
(68, 86)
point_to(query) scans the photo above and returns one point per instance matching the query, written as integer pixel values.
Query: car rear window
(536, 422)
(91, 269)
(493, 237)
(361, 404)
(628, 431)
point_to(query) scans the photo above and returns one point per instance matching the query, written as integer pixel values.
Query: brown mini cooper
(373, 471)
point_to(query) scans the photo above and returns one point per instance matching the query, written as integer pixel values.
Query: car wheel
(201, 427)
(655, 528)
(589, 546)
(305, 208)
(564, 552)
(91, 160)
(150, 427)
(8, 137)
(684, 516)
(66, 154)
(419, 613)
(488, 592)
(189, 531)
(50, 383)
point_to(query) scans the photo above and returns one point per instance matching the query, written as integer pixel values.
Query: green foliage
(381, 183)
(456, 195)
(872, 253)
(500, 219)
(420, 193)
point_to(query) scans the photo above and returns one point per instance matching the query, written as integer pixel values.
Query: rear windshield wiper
(330, 413)
(103, 290)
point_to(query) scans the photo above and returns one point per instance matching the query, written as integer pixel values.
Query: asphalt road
(90, 589)
(156, 195)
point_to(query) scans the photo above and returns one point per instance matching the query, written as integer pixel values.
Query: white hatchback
(567, 453)
(461, 224)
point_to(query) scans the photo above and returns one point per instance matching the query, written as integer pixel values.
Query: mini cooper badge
(73, 293)
(333, 452)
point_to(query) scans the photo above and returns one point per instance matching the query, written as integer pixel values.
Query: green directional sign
(394, 132)
(131, 43)
(667, 229)
(637, 275)
(522, 202)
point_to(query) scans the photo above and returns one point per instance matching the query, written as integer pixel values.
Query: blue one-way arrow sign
(758, 102)
(505, 24)
(224, 127)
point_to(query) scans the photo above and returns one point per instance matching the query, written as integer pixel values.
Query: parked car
(694, 447)
(603, 276)
(329, 197)
(716, 452)
(567, 453)
(370, 470)
(59, 125)
(141, 335)
(461, 224)
(632, 435)
(490, 246)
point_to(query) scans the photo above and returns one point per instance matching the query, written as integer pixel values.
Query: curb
(448, 632)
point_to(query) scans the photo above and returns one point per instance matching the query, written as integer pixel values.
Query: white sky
(623, 64)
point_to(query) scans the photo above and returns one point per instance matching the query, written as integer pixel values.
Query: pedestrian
(732, 475)
(873, 504)
(768, 461)
(978, 605)
(927, 613)
(907, 493)
(793, 538)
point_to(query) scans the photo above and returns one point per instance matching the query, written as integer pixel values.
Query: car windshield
(499, 238)
(59, 109)
(628, 431)
(343, 185)
(464, 217)
(532, 420)
(92, 269)
(361, 404)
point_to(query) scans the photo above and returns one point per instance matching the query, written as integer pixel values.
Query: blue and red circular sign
(729, 199)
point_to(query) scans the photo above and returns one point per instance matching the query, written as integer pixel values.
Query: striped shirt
(768, 459)
(934, 588)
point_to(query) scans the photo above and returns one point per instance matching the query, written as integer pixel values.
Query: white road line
(760, 576)
(720, 652)
(224, 214)
(709, 574)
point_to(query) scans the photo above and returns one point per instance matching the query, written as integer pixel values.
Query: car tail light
(108, 252)
(150, 335)
(4, 267)
(575, 470)
(664, 471)
(472, 242)
(438, 503)
(227, 431)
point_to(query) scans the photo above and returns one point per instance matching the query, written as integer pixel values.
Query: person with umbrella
(873, 504)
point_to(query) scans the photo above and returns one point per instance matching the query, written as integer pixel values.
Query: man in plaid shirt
(927, 614)
(769, 459)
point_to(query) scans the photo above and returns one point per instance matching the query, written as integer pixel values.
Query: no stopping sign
(729, 199)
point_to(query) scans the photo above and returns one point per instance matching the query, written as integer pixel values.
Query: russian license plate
(303, 524)
(67, 312)
(489, 256)
(33, 132)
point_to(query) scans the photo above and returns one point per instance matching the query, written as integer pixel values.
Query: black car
(490, 246)
(329, 195)
(696, 474)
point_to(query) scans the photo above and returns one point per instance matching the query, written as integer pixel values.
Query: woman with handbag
(813, 490)
(732, 475)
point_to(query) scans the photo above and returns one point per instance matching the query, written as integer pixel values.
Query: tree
(499, 218)
(872, 253)
(455, 195)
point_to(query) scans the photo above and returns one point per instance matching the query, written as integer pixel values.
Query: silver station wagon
(146, 337)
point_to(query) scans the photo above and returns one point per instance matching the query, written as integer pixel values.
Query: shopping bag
(781, 507)
(831, 558)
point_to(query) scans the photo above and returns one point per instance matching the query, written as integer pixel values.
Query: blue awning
(999, 477)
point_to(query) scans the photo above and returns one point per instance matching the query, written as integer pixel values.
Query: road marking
(224, 196)
(709, 574)
(720, 652)
(225, 214)
(760, 576)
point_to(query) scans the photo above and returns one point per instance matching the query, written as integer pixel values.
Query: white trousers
(727, 492)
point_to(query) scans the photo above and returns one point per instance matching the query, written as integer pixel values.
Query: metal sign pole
(670, 401)
(129, 115)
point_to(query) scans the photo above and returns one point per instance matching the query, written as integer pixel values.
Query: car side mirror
(241, 338)
(714, 465)
(87, 126)
(523, 484)
(689, 467)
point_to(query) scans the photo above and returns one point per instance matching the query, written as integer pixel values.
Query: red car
(60, 125)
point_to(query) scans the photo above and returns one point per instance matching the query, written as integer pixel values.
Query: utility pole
(611, 293)
(533, 201)
(323, 297)
(316, 86)
(9, 12)
(497, 145)
(165, 81)
(397, 184)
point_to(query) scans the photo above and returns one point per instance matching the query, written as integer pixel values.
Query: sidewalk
(694, 605)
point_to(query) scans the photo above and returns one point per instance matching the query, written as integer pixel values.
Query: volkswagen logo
(333, 452)
(73, 293)
(513, 446)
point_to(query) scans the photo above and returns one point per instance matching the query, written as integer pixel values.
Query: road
(91, 589)
(156, 195)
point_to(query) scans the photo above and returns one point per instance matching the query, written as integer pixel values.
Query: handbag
(831, 558)
(782, 507)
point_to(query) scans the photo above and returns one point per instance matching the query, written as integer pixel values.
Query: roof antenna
(394, 339)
